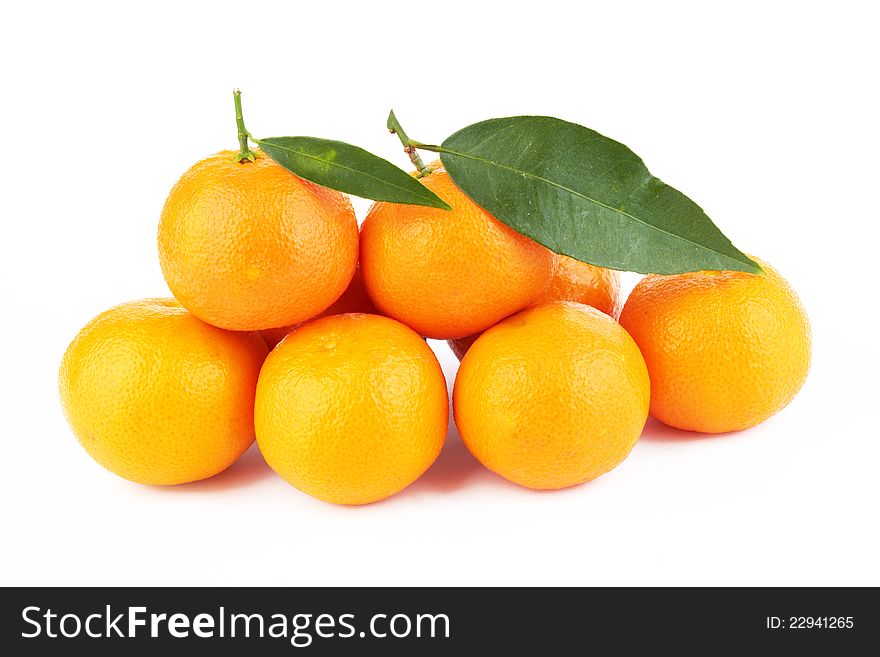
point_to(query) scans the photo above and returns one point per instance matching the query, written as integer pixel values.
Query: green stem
(427, 147)
(245, 154)
(409, 146)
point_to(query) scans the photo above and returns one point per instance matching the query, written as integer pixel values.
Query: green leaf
(348, 169)
(586, 196)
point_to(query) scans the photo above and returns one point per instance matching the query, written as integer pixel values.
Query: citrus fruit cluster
(291, 326)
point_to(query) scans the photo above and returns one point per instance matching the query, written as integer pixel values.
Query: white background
(765, 113)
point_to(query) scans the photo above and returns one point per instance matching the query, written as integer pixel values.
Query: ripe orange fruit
(249, 246)
(351, 408)
(572, 280)
(159, 397)
(726, 350)
(448, 274)
(553, 396)
(353, 300)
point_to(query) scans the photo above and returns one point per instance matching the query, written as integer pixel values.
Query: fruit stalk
(409, 146)
(245, 154)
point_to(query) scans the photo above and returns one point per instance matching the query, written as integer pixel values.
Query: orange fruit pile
(350, 405)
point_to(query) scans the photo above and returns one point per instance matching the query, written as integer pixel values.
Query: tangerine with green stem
(447, 274)
(244, 244)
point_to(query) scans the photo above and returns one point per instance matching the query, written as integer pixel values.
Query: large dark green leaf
(586, 196)
(348, 169)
